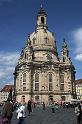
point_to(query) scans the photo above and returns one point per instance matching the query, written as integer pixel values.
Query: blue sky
(18, 19)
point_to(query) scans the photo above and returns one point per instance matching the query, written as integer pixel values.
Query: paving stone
(40, 116)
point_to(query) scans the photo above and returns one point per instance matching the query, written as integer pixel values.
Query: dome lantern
(41, 18)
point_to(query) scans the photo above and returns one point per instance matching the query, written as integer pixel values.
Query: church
(40, 75)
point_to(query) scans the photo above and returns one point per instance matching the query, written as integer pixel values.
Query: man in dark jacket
(29, 107)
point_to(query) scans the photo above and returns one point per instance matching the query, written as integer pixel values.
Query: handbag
(5, 119)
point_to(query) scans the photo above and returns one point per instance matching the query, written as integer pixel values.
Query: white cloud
(8, 58)
(79, 57)
(77, 38)
(8, 62)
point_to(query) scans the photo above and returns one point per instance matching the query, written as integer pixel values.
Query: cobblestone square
(40, 116)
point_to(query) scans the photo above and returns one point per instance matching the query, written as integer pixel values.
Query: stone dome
(43, 39)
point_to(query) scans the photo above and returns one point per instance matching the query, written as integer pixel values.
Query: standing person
(53, 107)
(78, 113)
(21, 113)
(29, 107)
(43, 105)
(32, 105)
(7, 111)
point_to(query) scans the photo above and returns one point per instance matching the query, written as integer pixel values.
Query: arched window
(24, 77)
(50, 77)
(23, 98)
(42, 20)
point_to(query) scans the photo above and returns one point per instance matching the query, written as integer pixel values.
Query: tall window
(50, 86)
(36, 82)
(62, 81)
(36, 86)
(62, 78)
(50, 82)
(42, 20)
(36, 77)
(20, 79)
(62, 87)
(50, 77)
(24, 77)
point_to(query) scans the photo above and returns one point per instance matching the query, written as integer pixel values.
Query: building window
(50, 77)
(24, 88)
(24, 83)
(63, 59)
(37, 98)
(62, 78)
(62, 87)
(24, 77)
(50, 86)
(20, 78)
(42, 20)
(36, 77)
(23, 98)
(36, 86)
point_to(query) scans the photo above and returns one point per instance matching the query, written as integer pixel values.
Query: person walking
(43, 105)
(32, 105)
(7, 112)
(78, 113)
(29, 107)
(53, 107)
(21, 113)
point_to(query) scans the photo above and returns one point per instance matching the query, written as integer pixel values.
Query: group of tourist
(7, 112)
(9, 108)
(21, 109)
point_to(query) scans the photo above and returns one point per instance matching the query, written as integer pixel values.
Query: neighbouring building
(78, 84)
(40, 74)
(4, 93)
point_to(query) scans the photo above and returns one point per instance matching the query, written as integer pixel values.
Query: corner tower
(65, 53)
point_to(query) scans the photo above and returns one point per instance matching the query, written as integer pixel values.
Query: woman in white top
(21, 113)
